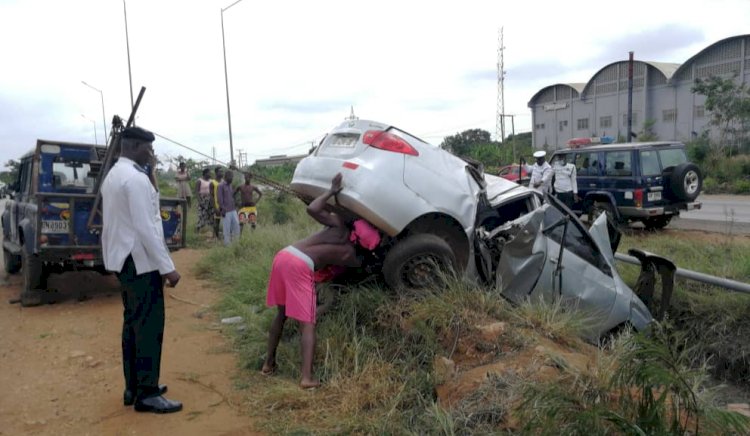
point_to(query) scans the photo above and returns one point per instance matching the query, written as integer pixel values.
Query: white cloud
(296, 67)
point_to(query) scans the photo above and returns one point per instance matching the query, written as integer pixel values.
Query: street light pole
(104, 117)
(226, 82)
(96, 139)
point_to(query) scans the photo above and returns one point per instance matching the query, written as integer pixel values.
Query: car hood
(499, 189)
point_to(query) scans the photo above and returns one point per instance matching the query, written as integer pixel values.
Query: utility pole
(500, 110)
(127, 44)
(213, 154)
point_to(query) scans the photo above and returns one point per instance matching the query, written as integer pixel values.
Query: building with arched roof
(662, 97)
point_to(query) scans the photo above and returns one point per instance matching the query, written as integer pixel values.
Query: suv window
(587, 164)
(672, 157)
(617, 163)
(650, 163)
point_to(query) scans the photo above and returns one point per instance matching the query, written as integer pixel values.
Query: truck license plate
(654, 196)
(50, 226)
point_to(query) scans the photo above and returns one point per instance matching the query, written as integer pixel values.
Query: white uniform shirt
(565, 178)
(132, 221)
(540, 173)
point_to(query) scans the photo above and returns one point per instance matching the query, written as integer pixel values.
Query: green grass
(377, 350)
(715, 319)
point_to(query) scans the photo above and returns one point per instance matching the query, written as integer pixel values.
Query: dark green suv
(648, 182)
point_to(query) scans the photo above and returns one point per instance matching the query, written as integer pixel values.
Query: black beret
(138, 134)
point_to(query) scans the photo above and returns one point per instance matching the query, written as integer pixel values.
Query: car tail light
(638, 197)
(83, 256)
(388, 141)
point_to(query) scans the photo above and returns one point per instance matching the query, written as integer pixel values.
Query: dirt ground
(61, 368)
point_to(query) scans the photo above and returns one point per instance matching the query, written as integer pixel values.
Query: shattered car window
(576, 239)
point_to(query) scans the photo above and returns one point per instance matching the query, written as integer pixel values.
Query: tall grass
(376, 355)
(715, 319)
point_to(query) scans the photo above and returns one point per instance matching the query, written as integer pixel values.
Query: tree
(647, 134)
(462, 143)
(11, 174)
(729, 105)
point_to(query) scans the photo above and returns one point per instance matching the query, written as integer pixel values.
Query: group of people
(133, 248)
(217, 203)
(558, 179)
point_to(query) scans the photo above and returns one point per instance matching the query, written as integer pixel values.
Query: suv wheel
(656, 222)
(418, 262)
(686, 181)
(12, 262)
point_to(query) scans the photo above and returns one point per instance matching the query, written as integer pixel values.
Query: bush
(741, 187)
(710, 185)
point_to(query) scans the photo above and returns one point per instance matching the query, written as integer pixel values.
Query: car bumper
(645, 212)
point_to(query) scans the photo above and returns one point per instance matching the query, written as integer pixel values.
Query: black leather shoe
(128, 398)
(157, 404)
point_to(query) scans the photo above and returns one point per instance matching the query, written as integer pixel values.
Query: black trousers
(566, 198)
(142, 329)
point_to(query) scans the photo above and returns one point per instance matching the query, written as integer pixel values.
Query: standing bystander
(183, 183)
(248, 205)
(133, 247)
(227, 209)
(218, 174)
(205, 201)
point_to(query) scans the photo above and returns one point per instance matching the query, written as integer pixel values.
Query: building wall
(668, 101)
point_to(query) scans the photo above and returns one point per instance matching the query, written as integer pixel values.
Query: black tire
(686, 181)
(34, 280)
(12, 262)
(599, 207)
(657, 222)
(417, 262)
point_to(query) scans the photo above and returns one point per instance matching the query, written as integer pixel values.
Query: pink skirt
(292, 285)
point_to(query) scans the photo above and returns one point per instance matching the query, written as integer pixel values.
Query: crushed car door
(583, 277)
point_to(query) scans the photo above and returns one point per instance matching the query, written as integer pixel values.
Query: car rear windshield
(672, 157)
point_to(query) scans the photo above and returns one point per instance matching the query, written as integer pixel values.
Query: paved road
(719, 213)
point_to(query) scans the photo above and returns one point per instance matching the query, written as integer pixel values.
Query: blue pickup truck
(46, 226)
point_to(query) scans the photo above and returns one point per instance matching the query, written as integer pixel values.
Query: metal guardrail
(694, 275)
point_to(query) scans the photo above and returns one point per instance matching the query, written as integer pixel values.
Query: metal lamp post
(96, 139)
(104, 117)
(226, 81)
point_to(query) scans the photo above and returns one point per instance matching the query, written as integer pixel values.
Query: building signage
(555, 106)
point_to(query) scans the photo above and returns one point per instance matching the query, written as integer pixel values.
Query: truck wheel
(656, 222)
(417, 262)
(686, 181)
(12, 262)
(34, 280)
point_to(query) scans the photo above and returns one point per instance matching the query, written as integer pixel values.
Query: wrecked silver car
(548, 254)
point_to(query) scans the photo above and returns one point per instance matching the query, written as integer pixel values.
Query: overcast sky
(296, 67)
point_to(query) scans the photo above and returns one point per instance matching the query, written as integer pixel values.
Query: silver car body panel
(528, 270)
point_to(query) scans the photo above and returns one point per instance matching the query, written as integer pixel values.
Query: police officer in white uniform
(566, 187)
(541, 173)
(133, 247)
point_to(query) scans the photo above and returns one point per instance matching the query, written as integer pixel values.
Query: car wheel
(657, 222)
(12, 262)
(34, 279)
(686, 181)
(417, 262)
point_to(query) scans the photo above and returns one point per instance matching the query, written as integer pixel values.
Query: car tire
(657, 222)
(34, 279)
(686, 181)
(12, 262)
(417, 262)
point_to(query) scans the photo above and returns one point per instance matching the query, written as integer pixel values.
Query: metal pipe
(694, 275)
